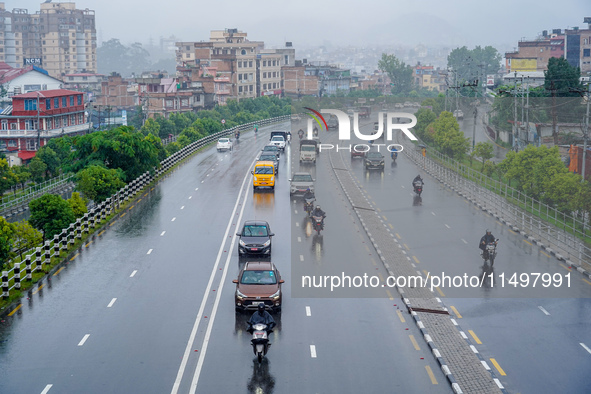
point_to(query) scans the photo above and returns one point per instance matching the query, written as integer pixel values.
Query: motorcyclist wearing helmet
(417, 179)
(301, 133)
(309, 195)
(261, 316)
(318, 212)
(486, 239)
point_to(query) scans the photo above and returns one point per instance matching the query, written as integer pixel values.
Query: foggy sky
(452, 23)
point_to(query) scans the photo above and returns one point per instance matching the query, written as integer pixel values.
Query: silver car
(300, 182)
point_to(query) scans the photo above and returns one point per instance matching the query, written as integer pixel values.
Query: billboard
(32, 61)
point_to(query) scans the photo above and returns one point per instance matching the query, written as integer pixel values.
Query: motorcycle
(318, 223)
(260, 340)
(309, 205)
(394, 155)
(418, 186)
(237, 135)
(490, 252)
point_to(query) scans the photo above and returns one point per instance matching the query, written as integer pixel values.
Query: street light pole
(474, 128)
(586, 132)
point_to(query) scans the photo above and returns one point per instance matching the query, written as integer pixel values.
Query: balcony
(45, 133)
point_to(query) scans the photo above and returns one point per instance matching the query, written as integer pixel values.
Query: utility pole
(474, 128)
(515, 130)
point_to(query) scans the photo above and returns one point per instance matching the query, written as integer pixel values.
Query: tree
(51, 214)
(22, 174)
(6, 240)
(400, 73)
(78, 204)
(167, 127)
(424, 118)
(562, 190)
(470, 65)
(151, 127)
(448, 137)
(7, 177)
(111, 56)
(98, 183)
(484, 150)
(51, 160)
(157, 142)
(25, 236)
(562, 78)
(38, 169)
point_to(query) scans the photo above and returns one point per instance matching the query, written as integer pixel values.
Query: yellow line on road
(512, 232)
(381, 277)
(545, 254)
(37, 289)
(453, 308)
(498, 367)
(58, 271)
(586, 281)
(527, 242)
(145, 194)
(399, 313)
(564, 266)
(374, 262)
(89, 242)
(112, 223)
(406, 246)
(398, 236)
(392, 227)
(76, 255)
(367, 247)
(390, 294)
(431, 375)
(415, 259)
(139, 200)
(15, 309)
(101, 233)
(130, 208)
(476, 339)
(439, 291)
(124, 213)
(414, 342)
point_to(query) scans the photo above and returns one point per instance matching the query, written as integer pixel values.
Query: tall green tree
(424, 118)
(25, 236)
(151, 127)
(562, 78)
(99, 183)
(448, 137)
(51, 160)
(399, 72)
(78, 204)
(51, 214)
(7, 177)
(484, 150)
(38, 169)
(6, 240)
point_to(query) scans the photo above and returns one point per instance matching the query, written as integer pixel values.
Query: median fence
(39, 259)
(559, 233)
(21, 203)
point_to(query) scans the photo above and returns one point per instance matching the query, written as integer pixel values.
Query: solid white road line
(162, 233)
(543, 310)
(133, 273)
(585, 347)
(313, 351)
(46, 389)
(112, 302)
(150, 251)
(183, 366)
(220, 288)
(308, 311)
(83, 340)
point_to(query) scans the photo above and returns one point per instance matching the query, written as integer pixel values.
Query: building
(84, 82)
(58, 37)
(429, 77)
(533, 55)
(243, 68)
(164, 96)
(578, 47)
(315, 79)
(35, 117)
(26, 79)
(531, 79)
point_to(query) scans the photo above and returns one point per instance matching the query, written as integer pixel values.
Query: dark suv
(255, 238)
(374, 161)
(258, 282)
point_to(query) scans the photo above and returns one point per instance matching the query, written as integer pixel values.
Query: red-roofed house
(26, 79)
(38, 116)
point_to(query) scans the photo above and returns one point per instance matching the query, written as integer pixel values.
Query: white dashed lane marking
(312, 351)
(83, 340)
(47, 388)
(112, 302)
(585, 347)
(149, 251)
(543, 310)
(308, 311)
(133, 274)
(162, 233)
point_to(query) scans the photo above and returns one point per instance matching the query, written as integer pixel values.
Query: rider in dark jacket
(485, 240)
(417, 179)
(261, 316)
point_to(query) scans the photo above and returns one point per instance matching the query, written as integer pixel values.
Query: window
(587, 52)
(72, 119)
(250, 88)
(250, 63)
(4, 124)
(239, 89)
(47, 103)
(12, 143)
(240, 77)
(71, 101)
(48, 123)
(65, 121)
(57, 123)
(64, 102)
(79, 99)
(239, 64)
(264, 75)
(264, 86)
(31, 144)
(264, 63)
(30, 104)
(56, 102)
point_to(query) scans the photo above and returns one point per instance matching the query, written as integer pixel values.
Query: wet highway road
(147, 306)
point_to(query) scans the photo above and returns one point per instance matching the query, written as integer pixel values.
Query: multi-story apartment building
(38, 116)
(16, 81)
(578, 47)
(59, 38)
(315, 79)
(84, 82)
(163, 96)
(429, 77)
(533, 55)
(244, 69)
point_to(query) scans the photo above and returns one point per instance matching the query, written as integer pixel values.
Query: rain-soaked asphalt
(149, 303)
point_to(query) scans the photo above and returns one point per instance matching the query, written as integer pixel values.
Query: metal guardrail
(40, 258)
(21, 203)
(565, 239)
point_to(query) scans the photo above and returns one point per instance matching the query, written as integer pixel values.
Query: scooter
(260, 341)
(309, 205)
(394, 155)
(237, 135)
(318, 223)
(418, 187)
